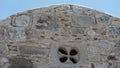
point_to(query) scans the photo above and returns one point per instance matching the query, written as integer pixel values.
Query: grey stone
(63, 8)
(2, 36)
(20, 20)
(103, 65)
(33, 50)
(12, 47)
(78, 30)
(6, 21)
(19, 63)
(45, 22)
(4, 63)
(115, 21)
(3, 48)
(117, 44)
(60, 36)
(114, 32)
(15, 34)
(82, 11)
(82, 21)
(98, 48)
(116, 51)
(103, 19)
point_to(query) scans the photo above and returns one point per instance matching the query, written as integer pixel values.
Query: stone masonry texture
(60, 36)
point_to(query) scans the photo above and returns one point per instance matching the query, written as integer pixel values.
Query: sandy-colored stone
(60, 36)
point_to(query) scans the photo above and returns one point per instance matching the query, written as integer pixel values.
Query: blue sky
(9, 7)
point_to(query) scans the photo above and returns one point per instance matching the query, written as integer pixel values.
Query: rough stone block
(103, 65)
(103, 19)
(98, 48)
(6, 21)
(4, 62)
(45, 22)
(21, 20)
(82, 11)
(33, 50)
(113, 32)
(19, 63)
(12, 48)
(78, 30)
(34, 34)
(82, 21)
(116, 51)
(15, 34)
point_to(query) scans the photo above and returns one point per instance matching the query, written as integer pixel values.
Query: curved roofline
(57, 5)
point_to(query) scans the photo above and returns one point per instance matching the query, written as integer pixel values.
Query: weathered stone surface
(4, 62)
(42, 21)
(103, 19)
(113, 32)
(103, 65)
(82, 21)
(33, 50)
(98, 48)
(21, 20)
(78, 30)
(3, 48)
(12, 48)
(115, 21)
(19, 63)
(60, 36)
(6, 21)
(15, 34)
(2, 36)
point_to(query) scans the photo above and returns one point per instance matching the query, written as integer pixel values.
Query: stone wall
(60, 36)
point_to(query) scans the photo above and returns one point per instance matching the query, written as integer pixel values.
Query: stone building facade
(60, 36)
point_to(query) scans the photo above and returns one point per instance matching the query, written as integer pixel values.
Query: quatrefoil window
(68, 54)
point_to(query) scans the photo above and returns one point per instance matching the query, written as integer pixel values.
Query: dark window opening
(73, 60)
(63, 59)
(68, 55)
(63, 51)
(73, 52)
